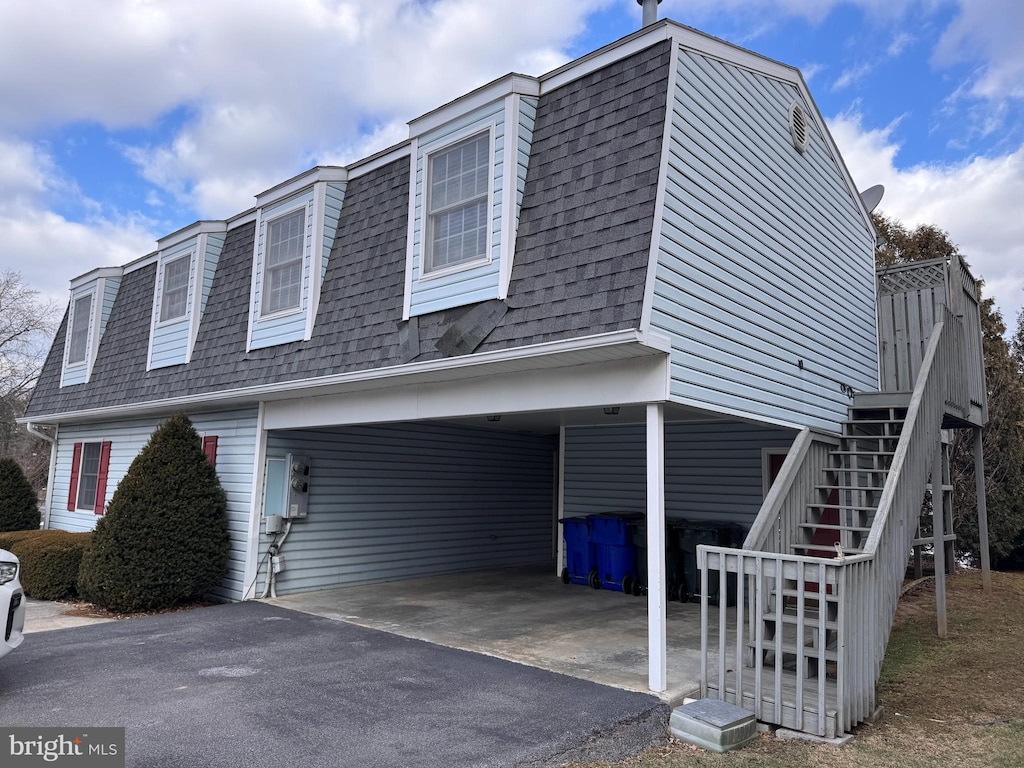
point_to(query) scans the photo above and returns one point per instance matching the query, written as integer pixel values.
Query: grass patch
(955, 702)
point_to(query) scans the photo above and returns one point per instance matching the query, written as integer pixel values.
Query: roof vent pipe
(650, 11)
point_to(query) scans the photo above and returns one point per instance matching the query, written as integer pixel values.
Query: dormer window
(185, 266)
(174, 302)
(295, 227)
(282, 281)
(92, 297)
(81, 315)
(468, 176)
(457, 220)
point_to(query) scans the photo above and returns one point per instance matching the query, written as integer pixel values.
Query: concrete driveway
(259, 685)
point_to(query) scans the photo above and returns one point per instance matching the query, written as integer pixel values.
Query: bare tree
(26, 327)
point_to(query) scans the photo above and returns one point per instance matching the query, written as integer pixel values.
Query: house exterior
(623, 284)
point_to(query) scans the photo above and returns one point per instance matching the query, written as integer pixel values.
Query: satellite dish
(872, 196)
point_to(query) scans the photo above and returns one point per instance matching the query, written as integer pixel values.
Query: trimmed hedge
(50, 561)
(164, 537)
(19, 509)
(10, 539)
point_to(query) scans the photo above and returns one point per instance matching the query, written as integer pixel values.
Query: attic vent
(798, 128)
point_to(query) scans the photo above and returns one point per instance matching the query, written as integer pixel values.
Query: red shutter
(76, 463)
(101, 478)
(210, 449)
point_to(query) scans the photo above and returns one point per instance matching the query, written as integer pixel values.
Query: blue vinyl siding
(110, 286)
(474, 284)
(763, 259)
(334, 198)
(236, 434)
(408, 500)
(104, 292)
(527, 120)
(170, 344)
(712, 469)
(291, 326)
(214, 246)
(78, 372)
(170, 339)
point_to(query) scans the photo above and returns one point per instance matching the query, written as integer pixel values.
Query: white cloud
(809, 71)
(852, 76)
(814, 11)
(976, 202)
(45, 247)
(268, 87)
(899, 44)
(988, 31)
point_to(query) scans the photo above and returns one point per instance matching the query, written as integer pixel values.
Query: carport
(400, 477)
(525, 615)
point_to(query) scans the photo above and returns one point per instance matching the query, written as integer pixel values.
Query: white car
(12, 603)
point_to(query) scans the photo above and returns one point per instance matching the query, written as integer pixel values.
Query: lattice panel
(914, 279)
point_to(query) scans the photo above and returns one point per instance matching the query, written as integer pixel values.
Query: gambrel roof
(580, 267)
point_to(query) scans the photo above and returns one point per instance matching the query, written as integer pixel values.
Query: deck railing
(795, 488)
(830, 617)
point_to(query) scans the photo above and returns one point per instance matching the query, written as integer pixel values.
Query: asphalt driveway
(257, 685)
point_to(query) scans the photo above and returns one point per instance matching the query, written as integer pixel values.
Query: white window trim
(303, 260)
(490, 128)
(310, 251)
(73, 325)
(189, 290)
(263, 223)
(81, 463)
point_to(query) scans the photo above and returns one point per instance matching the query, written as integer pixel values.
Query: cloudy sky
(123, 120)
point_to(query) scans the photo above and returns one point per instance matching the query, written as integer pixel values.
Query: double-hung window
(88, 475)
(80, 316)
(174, 301)
(90, 465)
(457, 220)
(282, 265)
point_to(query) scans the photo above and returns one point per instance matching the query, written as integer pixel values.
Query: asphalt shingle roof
(580, 263)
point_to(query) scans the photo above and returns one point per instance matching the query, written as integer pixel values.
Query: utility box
(297, 505)
(713, 725)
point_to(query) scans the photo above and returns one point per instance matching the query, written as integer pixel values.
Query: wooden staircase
(819, 575)
(839, 522)
(836, 525)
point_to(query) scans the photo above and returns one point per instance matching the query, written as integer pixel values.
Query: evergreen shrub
(164, 537)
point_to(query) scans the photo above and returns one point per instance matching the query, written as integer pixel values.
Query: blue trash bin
(580, 557)
(612, 538)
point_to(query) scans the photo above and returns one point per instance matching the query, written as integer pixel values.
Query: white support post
(939, 540)
(560, 507)
(979, 486)
(657, 637)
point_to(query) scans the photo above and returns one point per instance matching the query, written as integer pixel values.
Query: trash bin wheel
(638, 588)
(565, 576)
(627, 584)
(594, 580)
(684, 593)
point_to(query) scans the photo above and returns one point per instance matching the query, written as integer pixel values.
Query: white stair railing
(824, 623)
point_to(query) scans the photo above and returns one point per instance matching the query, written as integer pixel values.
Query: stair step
(809, 651)
(862, 453)
(809, 596)
(848, 422)
(850, 507)
(823, 527)
(827, 548)
(811, 618)
(864, 470)
(850, 488)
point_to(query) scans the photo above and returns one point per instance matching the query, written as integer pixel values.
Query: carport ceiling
(548, 422)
